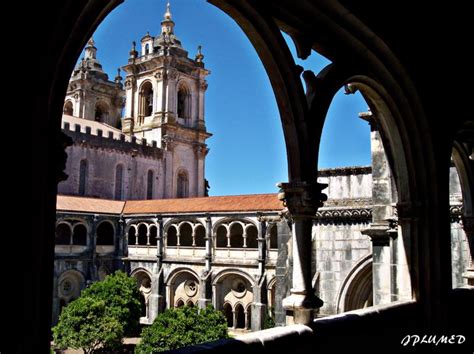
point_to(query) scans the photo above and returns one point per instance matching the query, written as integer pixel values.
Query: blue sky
(247, 152)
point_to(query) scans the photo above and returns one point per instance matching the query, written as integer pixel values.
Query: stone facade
(205, 257)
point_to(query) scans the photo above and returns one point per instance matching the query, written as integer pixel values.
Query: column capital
(380, 233)
(302, 199)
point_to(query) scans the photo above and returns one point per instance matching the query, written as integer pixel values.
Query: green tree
(269, 318)
(183, 326)
(85, 323)
(122, 298)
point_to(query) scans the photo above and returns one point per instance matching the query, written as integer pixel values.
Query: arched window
(149, 185)
(101, 112)
(236, 236)
(63, 234)
(180, 303)
(185, 235)
(83, 170)
(153, 235)
(182, 185)
(79, 235)
(105, 234)
(171, 237)
(146, 100)
(240, 316)
(132, 240)
(252, 235)
(273, 236)
(183, 103)
(190, 303)
(229, 316)
(119, 182)
(142, 235)
(68, 108)
(200, 236)
(147, 49)
(221, 237)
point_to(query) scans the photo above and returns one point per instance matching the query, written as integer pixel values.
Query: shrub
(85, 323)
(183, 326)
(122, 298)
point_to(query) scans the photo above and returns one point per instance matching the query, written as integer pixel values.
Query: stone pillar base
(259, 314)
(469, 275)
(155, 306)
(302, 307)
(203, 303)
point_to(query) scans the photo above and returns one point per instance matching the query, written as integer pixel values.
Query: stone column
(262, 246)
(205, 283)
(94, 275)
(381, 262)
(128, 123)
(208, 240)
(200, 114)
(302, 200)
(381, 232)
(119, 244)
(260, 301)
(55, 312)
(468, 226)
(156, 300)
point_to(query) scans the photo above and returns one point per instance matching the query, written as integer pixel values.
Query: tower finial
(90, 42)
(199, 56)
(168, 11)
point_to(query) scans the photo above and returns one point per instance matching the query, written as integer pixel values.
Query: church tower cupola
(90, 50)
(167, 25)
(90, 94)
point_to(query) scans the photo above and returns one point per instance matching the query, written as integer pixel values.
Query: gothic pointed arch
(356, 289)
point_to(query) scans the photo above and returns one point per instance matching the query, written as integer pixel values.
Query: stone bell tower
(90, 94)
(165, 103)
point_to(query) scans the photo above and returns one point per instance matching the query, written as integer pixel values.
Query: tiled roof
(253, 202)
(89, 205)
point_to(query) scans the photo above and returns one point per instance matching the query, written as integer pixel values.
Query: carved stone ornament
(191, 288)
(159, 75)
(201, 151)
(172, 74)
(301, 198)
(168, 143)
(203, 85)
(128, 83)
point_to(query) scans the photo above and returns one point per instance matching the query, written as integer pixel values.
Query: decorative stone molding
(349, 216)
(200, 151)
(168, 143)
(380, 233)
(345, 171)
(129, 83)
(203, 85)
(172, 74)
(455, 213)
(302, 199)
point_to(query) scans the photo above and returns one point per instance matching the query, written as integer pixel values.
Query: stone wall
(103, 155)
